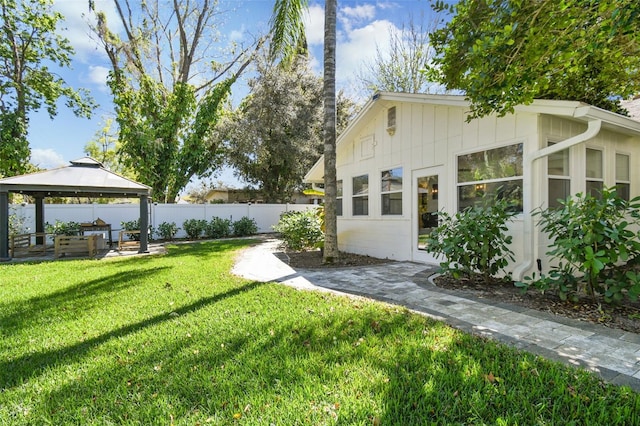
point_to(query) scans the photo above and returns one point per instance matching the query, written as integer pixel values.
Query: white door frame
(423, 256)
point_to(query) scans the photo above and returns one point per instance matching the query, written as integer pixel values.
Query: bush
(133, 225)
(167, 230)
(194, 227)
(63, 228)
(245, 227)
(591, 236)
(218, 228)
(300, 230)
(473, 241)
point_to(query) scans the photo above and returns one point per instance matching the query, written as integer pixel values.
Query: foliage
(218, 228)
(474, 241)
(104, 147)
(591, 236)
(167, 230)
(399, 67)
(579, 50)
(134, 225)
(179, 339)
(63, 228)
(300, 230)
(16, 222)
(165, 119)
(245, 227)
(28, 47)
(194, 227)
(275, 136)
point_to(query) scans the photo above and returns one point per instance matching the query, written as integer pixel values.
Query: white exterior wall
(426, 136)
(265, 215)
(433, 135)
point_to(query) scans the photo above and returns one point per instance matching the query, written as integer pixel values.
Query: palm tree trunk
(330, 187)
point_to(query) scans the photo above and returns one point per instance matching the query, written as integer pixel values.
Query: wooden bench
(27, 244)
(128, 244)
(76, 245)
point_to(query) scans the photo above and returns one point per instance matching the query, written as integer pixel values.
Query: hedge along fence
(265, 215)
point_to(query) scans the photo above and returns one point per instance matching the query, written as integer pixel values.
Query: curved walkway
(613, 354)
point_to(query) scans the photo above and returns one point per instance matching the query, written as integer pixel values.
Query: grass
(177, 339)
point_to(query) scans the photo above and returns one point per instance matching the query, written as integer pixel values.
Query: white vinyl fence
(265, 215)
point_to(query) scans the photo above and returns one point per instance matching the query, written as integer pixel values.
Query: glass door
(427, 197)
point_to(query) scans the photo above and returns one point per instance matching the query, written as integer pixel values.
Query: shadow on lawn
(72, 298)
(304, 367)
(18, 370)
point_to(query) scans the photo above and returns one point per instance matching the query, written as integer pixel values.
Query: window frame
(594, 179)
(623, 182)
(389, 193)
(339, 197)
(480, 185)
(565, 178)
(362, 197)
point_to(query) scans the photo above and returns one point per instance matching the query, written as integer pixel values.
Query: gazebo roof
(85, 177)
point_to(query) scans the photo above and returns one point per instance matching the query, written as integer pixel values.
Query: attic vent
(391, 121)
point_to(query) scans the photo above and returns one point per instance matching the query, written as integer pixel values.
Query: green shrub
(591, 237)
(63, 228)
(245, 227)
(16, 222)
(194, 227)
(218, 228)
(300, 230)
(474, 241)
(133, 225)
(167, 230)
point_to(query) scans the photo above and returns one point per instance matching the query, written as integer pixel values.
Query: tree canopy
(502, 53)
(168, 89)
(275, 136)
(29, 46)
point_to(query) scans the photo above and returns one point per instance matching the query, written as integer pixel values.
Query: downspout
(593, 128)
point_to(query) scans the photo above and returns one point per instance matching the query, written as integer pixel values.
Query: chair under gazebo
(84, 177)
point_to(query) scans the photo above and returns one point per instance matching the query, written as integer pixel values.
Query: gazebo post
(40, 219)
(144, 224)
(4, 226)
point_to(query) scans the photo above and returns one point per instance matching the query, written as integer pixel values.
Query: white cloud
(76, 23)
(314, 24)
(46, 158)
(359, 46)
(98, 75)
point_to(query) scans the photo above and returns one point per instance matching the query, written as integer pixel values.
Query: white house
(405, 155)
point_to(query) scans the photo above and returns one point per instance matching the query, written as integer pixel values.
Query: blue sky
(362, 24)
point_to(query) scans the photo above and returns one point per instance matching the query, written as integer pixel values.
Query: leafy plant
(245, 227)
(591, 236)
(131, 225)
(474, 241)
(63, 228)
(16, 222)
(167, 230)
(301, 230)
(194, 227)
(218, 228)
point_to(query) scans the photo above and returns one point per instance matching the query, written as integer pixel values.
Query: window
(339, 198)
(559, 182)
(623, 177)
(391, 190)
(361, 195)
(494, 172)
(595, 181)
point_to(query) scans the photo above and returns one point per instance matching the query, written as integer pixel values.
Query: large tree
(288, 36)
(275, 136)
(29, 46)
(502, 53)
(168, 88)
(399, 66)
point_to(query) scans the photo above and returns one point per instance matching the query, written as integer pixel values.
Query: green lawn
(177, 339)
